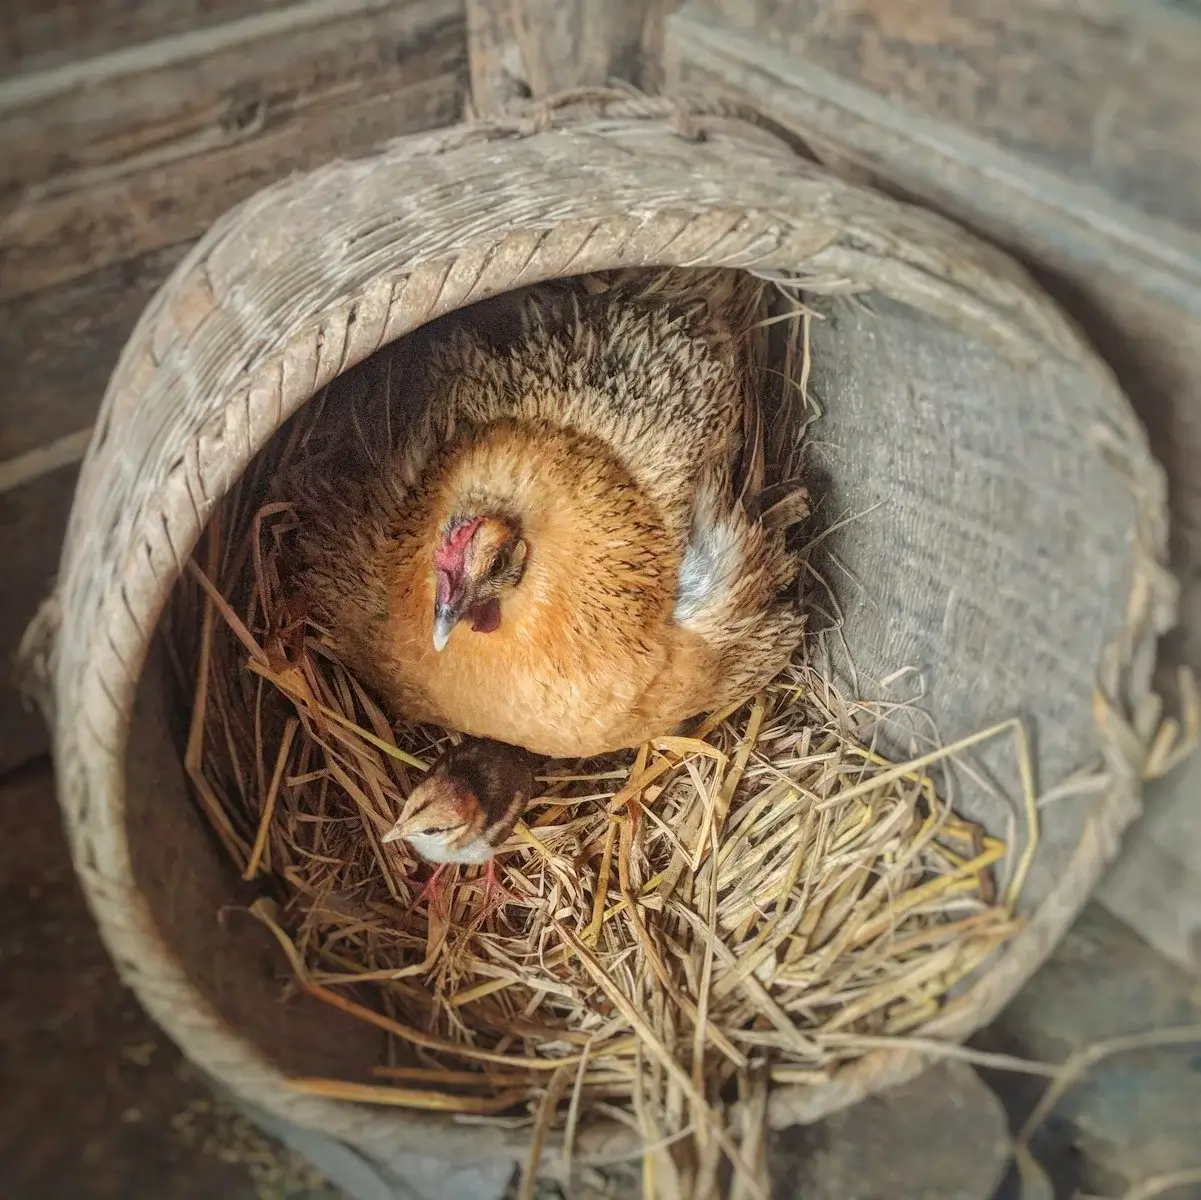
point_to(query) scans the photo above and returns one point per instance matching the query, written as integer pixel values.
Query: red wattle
(485, 616)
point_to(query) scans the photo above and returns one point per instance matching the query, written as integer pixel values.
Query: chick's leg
(492, 886)
(431, 890)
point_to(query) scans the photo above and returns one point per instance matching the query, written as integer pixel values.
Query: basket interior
(979, 553)
(995, 561)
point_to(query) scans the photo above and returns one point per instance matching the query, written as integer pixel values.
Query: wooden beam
(497, 69)
(651, 75)
(1102, 95)
(524, 48)
(579, 43)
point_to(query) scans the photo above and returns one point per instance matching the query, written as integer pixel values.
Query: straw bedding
(691, 923)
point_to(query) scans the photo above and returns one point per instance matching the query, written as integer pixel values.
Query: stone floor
(1135, 1115)
(95, 1104)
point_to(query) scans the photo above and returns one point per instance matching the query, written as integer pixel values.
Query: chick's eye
(439, 830)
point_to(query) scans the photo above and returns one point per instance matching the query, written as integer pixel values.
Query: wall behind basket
(124, 132)
(1073, 139)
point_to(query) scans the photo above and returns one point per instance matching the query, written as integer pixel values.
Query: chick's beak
(396, 833)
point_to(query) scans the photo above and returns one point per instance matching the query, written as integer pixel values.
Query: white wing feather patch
(709, 568)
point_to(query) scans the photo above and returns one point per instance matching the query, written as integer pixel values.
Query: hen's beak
(445, 619)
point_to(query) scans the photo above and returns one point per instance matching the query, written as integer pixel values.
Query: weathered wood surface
(59, 346)
(111, 165)
(120, 156)
(654, 27)
(205, 86)
(1070, 134)
(523, 48)
(578, 43)
(1102, 93)
(32, 520)
(497, 68)
(36, 34)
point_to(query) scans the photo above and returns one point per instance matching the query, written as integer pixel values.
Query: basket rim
(118, 569)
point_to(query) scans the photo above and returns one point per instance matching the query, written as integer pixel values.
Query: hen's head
(478, 560)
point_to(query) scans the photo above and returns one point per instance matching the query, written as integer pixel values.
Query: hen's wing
(731, 593)
(736, 567)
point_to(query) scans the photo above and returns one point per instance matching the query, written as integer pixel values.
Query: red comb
(449, 555)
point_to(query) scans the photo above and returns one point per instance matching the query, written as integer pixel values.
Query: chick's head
(477, 562)
(441, 819)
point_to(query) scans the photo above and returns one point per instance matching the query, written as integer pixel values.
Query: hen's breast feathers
(581, 636)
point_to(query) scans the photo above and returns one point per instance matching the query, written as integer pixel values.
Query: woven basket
(1007, 559)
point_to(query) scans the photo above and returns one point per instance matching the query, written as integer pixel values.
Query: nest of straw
(693, 923)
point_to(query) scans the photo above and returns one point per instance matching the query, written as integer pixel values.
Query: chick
(562, 550)
(466, 807)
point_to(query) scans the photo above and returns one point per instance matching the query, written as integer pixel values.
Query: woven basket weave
(1008, 559)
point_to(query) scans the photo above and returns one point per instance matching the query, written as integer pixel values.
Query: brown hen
(560, 552)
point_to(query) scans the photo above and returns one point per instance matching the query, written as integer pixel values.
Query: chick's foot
(431, 891)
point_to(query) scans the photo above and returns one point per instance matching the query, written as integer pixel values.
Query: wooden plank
(934, 103)
(204, 88)
(79, 233)
(577, 43)
(60, 345)
(651, 75)
(44, 33)
(41, 34)
(1103, 94)
(161, 142)
(523, 48)
(497, 69)
(32, 521)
